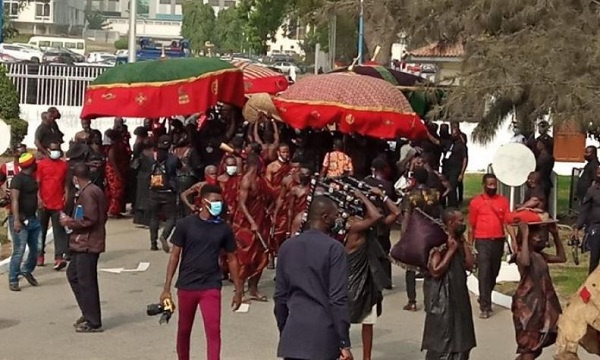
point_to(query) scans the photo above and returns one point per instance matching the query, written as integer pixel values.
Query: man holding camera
(197, 243)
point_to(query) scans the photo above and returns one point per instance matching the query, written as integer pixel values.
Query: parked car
(20, 52)
(62, 56)
(5, 58)
(100, 57)
(120, 53)
(286, 66)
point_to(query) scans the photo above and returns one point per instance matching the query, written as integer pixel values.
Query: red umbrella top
(260, 79)
(354, 103)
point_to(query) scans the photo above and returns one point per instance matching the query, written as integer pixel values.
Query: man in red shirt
(52, 176)
(487, 214)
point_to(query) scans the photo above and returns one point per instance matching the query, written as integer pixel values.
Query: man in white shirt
(518, 137)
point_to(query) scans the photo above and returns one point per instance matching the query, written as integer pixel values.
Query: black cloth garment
(489, 260)
(593, 244)
(449, 329)
(142, 212)
(311, 297)
(28, 194)
(590, 209)
(362, 291)
(452, 169)
(548, 141)
(201, 243)
(61, 240)
(544, 166)
(82, 274)
(586, 179)
(48, 134)
(162, 204)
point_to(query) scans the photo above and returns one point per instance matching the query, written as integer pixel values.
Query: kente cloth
(527, 216)
(230, 195)
(251, 254)
(299, 207)
(115, 191)
(535, 307)
(449, 329)
(274, 186)
(281, 222)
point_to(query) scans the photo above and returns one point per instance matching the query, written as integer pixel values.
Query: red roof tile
(439, 50)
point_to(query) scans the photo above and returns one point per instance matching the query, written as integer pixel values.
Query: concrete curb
(497, 298)
(6, 262)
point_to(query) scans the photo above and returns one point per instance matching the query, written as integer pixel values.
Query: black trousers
(386, 245)
(453, 196)
(460, 192)
(593, 243)
(82, 274)
(61, 241)
(411, 286)
(162, 204)
(489, 259)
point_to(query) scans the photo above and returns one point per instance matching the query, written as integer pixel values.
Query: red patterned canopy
(260, 79)
(354, 103)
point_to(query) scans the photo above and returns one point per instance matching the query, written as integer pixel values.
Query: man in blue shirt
(311, 291)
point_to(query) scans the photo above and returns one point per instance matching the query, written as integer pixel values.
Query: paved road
(36, 323)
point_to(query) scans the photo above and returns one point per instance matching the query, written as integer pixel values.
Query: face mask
(491, 191)
(460, 230)
(231, 170)
(281, 159)
(55, 154)
(215, 208)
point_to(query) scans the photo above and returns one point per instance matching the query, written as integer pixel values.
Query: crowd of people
(235, 198)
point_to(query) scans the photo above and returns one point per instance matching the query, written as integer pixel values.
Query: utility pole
(332, 39)
(1, 21)
(361, 31)
(132, 28)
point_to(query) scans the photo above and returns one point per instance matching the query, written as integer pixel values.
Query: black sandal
(79, 321)
(86, 328)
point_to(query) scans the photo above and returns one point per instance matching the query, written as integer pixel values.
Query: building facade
(64, 17)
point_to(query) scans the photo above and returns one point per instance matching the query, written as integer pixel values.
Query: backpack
(158, 177)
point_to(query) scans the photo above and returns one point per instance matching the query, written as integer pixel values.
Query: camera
(165, 310)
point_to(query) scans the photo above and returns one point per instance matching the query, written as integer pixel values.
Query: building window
(11, 8)
(213, 2)
(169, 2)
(229, 3)
(42, 10)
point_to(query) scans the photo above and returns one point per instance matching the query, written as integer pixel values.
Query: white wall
(480, 156)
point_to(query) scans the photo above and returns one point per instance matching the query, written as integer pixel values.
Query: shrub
(122, 44)
(9, 109)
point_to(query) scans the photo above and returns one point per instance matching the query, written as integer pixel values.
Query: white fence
(52, 85)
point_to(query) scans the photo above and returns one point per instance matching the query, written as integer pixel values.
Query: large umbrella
(420, 101)
(354, 103)
(163, 88)
(260, 79)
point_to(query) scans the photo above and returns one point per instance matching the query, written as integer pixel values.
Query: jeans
(28, 236)
(61, 241)
(489, 260)
(162, 204)
(210, 306)
(82, 274)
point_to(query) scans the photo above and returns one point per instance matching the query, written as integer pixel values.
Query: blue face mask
(215, 208)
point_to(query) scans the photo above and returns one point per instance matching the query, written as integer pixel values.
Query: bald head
(320, 206)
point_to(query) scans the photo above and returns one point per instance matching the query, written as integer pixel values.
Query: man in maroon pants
(197, 244)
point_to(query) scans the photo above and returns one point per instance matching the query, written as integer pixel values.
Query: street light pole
(132, 28)
(361, 31)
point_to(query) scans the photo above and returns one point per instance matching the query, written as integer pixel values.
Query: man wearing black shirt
(589, 172)
(24, 224)
(197, 244)
(163, 191)
(544, 166)
(460, 189)
(47, 133)
(544, 128)
(454, 165)
(589, 216)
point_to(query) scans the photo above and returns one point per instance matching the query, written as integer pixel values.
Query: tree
(229, 27)
(538, 57)
(9, 108)
(95, 20)
(198, 24)
(8, 28)
(346, 39)
(263, 20)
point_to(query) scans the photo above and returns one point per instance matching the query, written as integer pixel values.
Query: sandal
(79, 321)
(410, 307)
(86, 328)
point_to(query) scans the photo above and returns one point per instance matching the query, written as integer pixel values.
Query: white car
(285, 67)
(100, 57)
(122, 53)
(22, 53)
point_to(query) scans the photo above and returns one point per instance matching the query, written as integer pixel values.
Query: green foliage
(95, 20)
(8, 28)
(198, 24)
(9, 108)
(122, 44)
(263, 19)
(229, 27)
(535, 56)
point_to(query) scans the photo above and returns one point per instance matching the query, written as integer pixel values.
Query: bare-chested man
(270, 144)
(83, 135)
(298, 197)
(250, 230)
(210, 177)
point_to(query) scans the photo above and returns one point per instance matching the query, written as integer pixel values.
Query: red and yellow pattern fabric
(163, 88)
(260, 79)
(353, 103)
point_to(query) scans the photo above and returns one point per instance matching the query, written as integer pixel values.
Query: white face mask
(231, 170)
(55, 154)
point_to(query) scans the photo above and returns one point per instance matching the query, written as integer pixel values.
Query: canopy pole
(361, 31)
(132, 29)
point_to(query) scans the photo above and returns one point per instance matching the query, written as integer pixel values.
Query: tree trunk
(381, 29)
